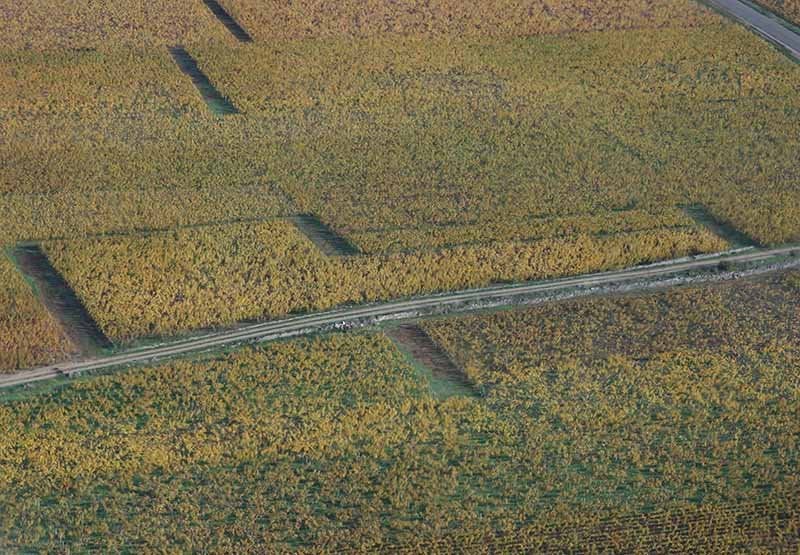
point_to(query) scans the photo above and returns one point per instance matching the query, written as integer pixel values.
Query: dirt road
(453, 302)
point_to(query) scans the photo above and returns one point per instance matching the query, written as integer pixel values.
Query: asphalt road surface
(397, 310)
(769, 27)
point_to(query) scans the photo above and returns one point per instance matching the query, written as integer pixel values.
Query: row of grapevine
(384, 240)
(90, 84)
(59, 24)
(384, 80)
(767, 526)
(70, 215)
(747, 316)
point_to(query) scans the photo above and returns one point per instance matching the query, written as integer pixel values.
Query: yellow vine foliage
(409, 133)
(387, 239)
(430, 149)
(373, 134)
(305, 19)
(715, 528)
(547, 155)
(171, 282)
(733, 318)
(334, 444)
(69, 84)
(62, 24)
(69, 214)
(29, 336)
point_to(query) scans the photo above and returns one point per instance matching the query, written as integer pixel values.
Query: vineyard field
(50, 25)
(70, 215)
(274, 20)
(738, 319)
(385, 240)
(531, 127)
(162, 284)
(91, 84)
(788, 9)
(179, 178)
(768, 527)
(371, 135)
(28, 334)
(134, 152)
(686, 447)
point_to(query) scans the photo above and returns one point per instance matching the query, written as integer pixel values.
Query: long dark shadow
(326, 239)
(735, 237)
(226, 19)
(60, 300)
(446, 378)
(215, 101)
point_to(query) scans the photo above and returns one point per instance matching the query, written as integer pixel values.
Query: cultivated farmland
(28, 334)
(92, 85)
(488, 135)
(273, 20)
(337, 444)
(535, 156)
(170, 282)
(171, 168)
(421, 132)
(62, 24)
(740, 320)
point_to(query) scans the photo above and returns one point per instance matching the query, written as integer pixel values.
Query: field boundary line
(447, 378)
(324, 237)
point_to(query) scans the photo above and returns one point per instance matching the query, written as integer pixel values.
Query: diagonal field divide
(771, 27)
(662, 274)
(705, 218)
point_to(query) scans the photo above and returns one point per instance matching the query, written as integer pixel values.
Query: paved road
(769, 27)
(300, 325)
